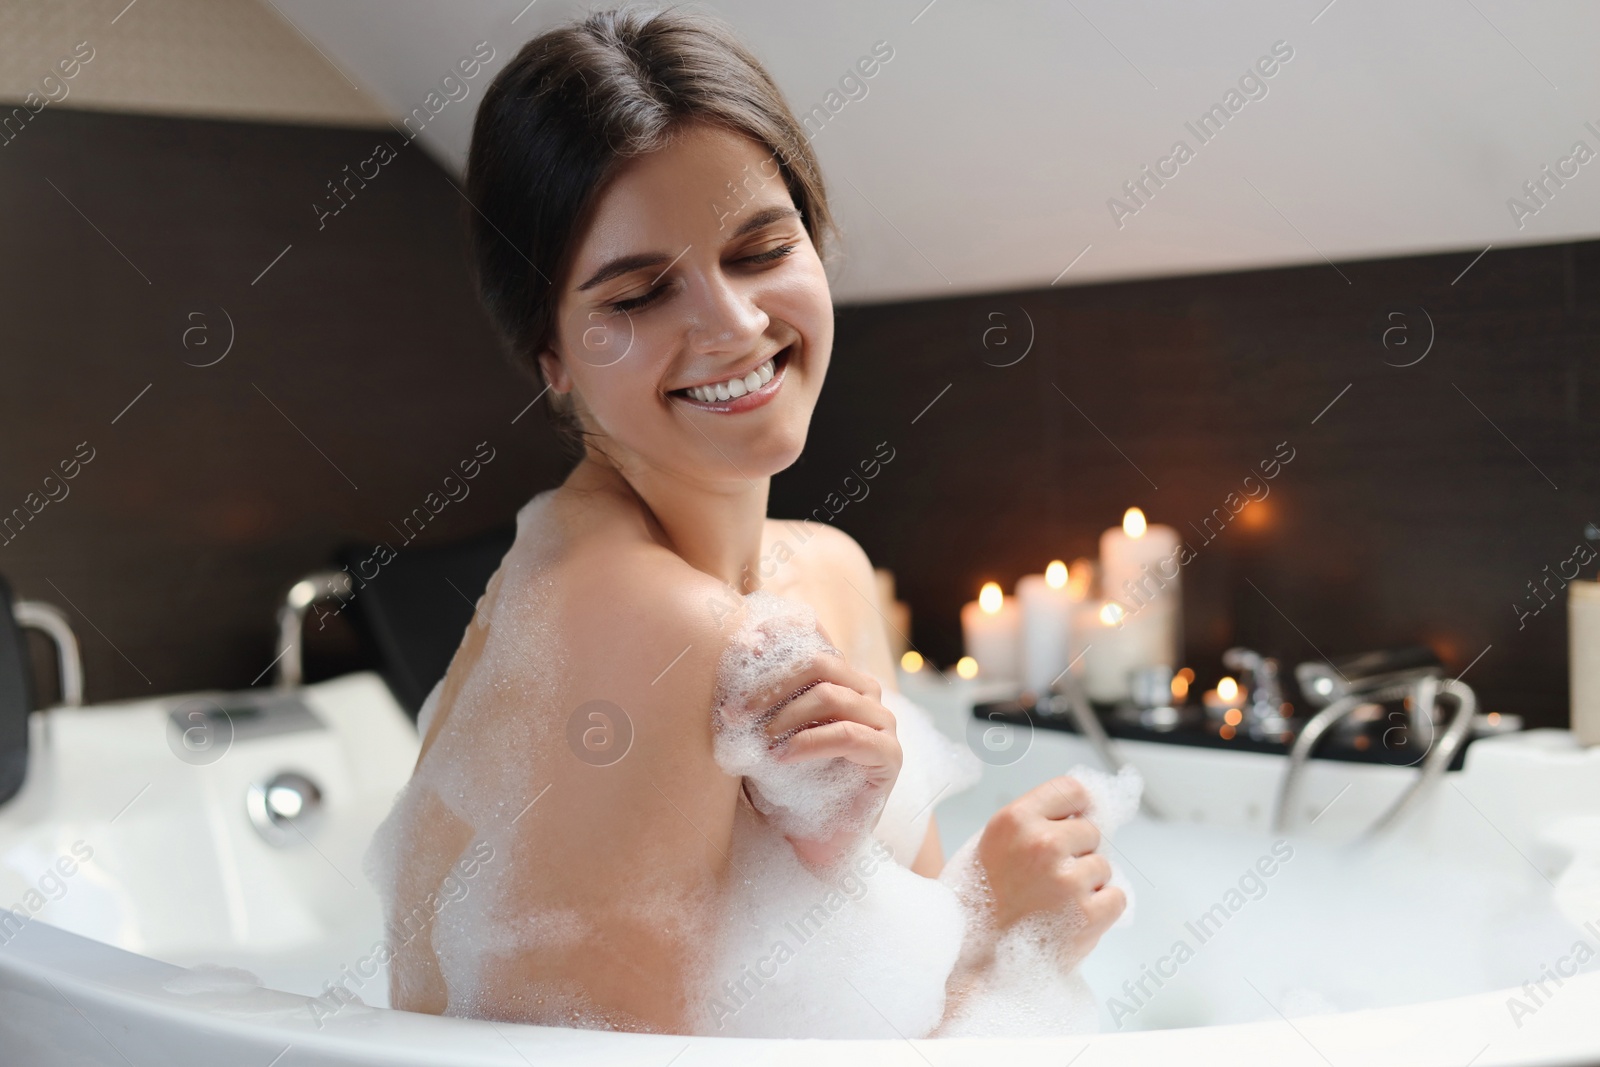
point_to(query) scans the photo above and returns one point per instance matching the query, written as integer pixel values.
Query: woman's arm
(930, 858)
(851, 590)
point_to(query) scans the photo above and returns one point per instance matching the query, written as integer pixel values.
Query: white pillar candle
(1083, 580)
(1140, 567)
(1583, 657)
(990, 633)
(896, 614)
(1047, 606)
(1116, 646)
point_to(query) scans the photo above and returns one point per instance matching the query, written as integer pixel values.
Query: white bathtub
(1410, 954)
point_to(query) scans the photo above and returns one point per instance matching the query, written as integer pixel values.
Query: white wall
(985, 152)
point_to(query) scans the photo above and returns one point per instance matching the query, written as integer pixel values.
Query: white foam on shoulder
(483, 785)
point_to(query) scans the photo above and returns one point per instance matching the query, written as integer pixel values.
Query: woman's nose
(724, 315)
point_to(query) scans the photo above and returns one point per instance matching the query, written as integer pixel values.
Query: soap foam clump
(860, 949)
(779, 637)
(1031, 986)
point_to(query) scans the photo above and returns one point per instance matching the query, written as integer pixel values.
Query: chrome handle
(1424, 692)
(1264, 717)
(50, 621)
(321, 585)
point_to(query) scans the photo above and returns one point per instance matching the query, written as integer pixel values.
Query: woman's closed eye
(762, 258)
(770, 256)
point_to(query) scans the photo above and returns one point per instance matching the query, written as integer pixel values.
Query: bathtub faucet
(1264, 717)
(320, 585)
(1412, 674)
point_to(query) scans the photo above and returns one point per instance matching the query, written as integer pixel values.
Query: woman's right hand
(827, 710)
(1038, 854)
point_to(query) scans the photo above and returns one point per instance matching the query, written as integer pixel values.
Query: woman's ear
(555, 373)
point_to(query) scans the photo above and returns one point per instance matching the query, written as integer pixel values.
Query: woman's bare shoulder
(831, 570)
(638, 626)
(597, 611)
(606, 568)
(636, 636)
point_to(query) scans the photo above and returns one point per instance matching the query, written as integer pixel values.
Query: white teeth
(736, 387)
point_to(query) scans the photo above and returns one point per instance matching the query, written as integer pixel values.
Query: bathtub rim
(91, 974)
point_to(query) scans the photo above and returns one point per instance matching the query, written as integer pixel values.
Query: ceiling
(986, 152)
(234, 59)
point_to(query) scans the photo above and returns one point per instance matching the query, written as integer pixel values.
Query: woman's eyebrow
(764, 217)
(639, 260)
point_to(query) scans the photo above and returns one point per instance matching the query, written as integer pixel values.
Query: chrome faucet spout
(1423, 686)
(321, 585)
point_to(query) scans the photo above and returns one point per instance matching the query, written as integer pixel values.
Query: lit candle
(949, 696)
(990, 633)
(1227, 695)
(1047, 605)
(1139, 567)
(1118, 644)
(1583, 659)
(896, 613)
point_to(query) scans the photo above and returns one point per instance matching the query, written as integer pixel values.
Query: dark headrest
(415, 608)
(16, 699)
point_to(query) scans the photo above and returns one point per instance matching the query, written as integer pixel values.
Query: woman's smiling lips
(749, 401)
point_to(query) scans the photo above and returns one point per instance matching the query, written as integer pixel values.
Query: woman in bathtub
(648, 234)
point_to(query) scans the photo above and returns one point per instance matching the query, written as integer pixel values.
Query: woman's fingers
(1059, 798)
(1104, 906)
(1091, 872)
(822, 667)
(828, 702)
(846, 739)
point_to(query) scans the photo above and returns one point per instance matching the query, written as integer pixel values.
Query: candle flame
(911, 662)
(966, 667)
(1228, 689)
(990, 598)
(1180, 686)
(1112, 613)
(1055, 575)
(1080, 577)
(1133, 523)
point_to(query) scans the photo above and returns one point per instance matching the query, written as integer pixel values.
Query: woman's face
(696, 270)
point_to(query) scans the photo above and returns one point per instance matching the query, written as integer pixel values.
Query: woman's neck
(716, 527)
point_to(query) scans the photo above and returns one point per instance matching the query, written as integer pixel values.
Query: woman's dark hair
(562, 116)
